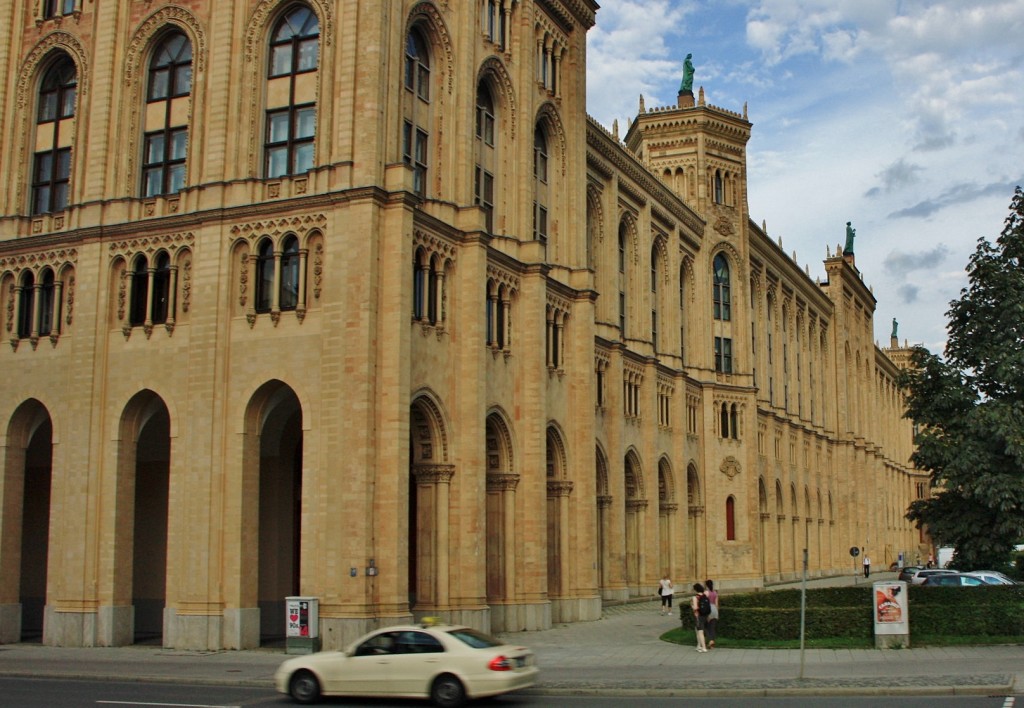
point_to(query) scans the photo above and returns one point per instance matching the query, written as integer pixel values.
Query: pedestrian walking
(867, 566)
(711, 627)
(701, 607)
(666, 590)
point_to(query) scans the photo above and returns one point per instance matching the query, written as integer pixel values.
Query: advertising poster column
(892, 615)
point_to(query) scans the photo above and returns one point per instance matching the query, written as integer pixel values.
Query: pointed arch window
(289, 290)
(730, 518)
(654, 297)
(291, 106)
(160, 308)
(721, 295)
(483, 180)
(264, 275)
(139, 292)
(540, 185)
(26, 304)
(622, 280)
(416, 109)
(166, 118)
(51, 175)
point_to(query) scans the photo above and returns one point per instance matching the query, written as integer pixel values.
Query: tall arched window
(720, 291)
(46, 302)
(540, 185)
(719, 188)
(730, 519)
(622, 280)
(26, 304)
(654, 297)
(416, 109)
(291, 92)
(51, 173)
(483, 179)
(682, 313)
(139, 292)
(161, 288)
(289, 290)
(166, 116)
(264, 276)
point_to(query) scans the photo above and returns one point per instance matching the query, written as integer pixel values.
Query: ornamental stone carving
(730, 467)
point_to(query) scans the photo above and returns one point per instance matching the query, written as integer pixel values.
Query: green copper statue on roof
(895, 326)
(851, 233)
(687, 84)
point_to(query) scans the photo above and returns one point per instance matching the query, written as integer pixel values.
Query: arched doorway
(149, 524)
(694, 508)
(430, 478)
(604, 502)
(558, 490)
(666, 518)
(636, 503)
(25, 523)
(501, 519)
(280, 505)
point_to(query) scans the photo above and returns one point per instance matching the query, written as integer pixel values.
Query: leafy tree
(969, 408)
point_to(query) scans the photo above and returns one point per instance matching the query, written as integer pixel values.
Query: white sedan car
(445, 663)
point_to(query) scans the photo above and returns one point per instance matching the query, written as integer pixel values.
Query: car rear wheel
(447, 692)
(304, 687)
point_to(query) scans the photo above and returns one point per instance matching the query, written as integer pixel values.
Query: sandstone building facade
(352, 300)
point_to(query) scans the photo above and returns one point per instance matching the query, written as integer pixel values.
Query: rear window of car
(475, 639)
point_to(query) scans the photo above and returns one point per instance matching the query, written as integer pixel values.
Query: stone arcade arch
(430, 477)
(134, 584)
(558, 549)
(272, 495)
(695, 509)
(502, 481)
(25, 522)
(636, 505)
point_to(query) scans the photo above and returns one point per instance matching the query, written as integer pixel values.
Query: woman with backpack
(701, 607)
(711, 629)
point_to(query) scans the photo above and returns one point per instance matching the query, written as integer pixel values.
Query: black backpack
(703, 605)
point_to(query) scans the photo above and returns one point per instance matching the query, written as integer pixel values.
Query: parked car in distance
(447, 664)
(992, 577)
(908, 571)
(918, 577)
(953, 579)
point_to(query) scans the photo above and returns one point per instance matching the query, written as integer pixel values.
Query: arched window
(26, 304)
(416, 109)
(46, 302)
(289, 290)
(166, 116)
(54, 132)
(720, 292)
(622, 279)
(682, 313)
(139, 292)
(730, 518)
(483, 180)
(540, 185)
(734, 423)
(719, 188)
(654, 297)
(291, 108)
(161, 288)
(418, 284)
(264, 276)
(724, 420)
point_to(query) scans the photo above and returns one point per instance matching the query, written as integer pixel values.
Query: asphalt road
(50, 693)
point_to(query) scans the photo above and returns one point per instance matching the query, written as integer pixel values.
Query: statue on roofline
(851, 233)
(895, 325)
(687, 84)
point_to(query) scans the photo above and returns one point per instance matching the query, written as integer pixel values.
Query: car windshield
(475, 639)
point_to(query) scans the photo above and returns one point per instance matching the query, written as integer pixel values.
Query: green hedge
(847, 612)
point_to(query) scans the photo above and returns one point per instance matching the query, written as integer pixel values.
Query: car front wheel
(447, 692)
(304, 687)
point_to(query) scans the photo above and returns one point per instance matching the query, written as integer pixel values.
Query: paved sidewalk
(621, 654)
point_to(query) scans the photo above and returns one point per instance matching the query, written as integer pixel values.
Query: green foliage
(847, 613)
(969, 408)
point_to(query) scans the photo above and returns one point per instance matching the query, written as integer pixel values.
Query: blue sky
(904, 117)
